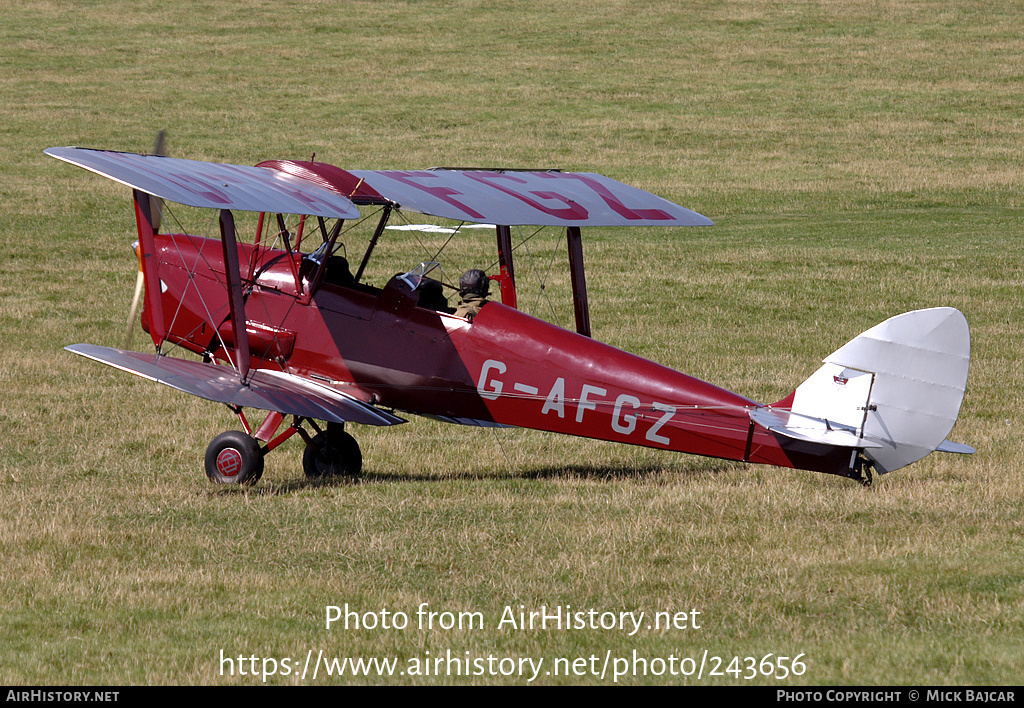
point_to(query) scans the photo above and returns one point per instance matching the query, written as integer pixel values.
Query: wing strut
(373, 241)
(233, 277)
(579, 281)
(329, 241)
(508, 278)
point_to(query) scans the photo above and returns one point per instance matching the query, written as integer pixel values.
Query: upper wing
(266, 390)
(509, 197)
(542, 198)
(211, 185)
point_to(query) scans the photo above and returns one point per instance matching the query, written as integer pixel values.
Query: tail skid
(891, 395)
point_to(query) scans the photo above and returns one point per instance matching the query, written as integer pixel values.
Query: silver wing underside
(265, 390)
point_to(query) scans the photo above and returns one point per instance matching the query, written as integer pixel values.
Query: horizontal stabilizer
(265, 390)
(959, 448)
(808, 428)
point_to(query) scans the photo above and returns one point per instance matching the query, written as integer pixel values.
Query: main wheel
(234, 458)
(332, 453)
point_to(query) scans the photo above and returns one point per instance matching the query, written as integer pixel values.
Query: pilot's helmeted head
(474, 281)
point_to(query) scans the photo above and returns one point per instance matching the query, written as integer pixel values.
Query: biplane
(280, 323)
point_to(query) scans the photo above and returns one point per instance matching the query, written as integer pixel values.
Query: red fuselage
(505, 367)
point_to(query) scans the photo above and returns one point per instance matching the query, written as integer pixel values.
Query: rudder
(899, 386)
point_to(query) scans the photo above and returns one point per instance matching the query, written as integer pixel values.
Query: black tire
(332, 454)
(234, 458)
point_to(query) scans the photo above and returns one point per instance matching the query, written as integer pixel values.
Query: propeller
(156, 208)
(140, 281)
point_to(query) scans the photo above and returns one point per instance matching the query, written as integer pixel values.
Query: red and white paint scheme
(304, 338)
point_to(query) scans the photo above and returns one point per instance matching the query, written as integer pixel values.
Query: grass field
(860, 158)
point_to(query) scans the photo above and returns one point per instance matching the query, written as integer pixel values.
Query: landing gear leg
(331, 453)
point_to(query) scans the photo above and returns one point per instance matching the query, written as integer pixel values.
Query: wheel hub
(229, 462)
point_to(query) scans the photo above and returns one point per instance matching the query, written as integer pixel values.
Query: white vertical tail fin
(898, 386)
